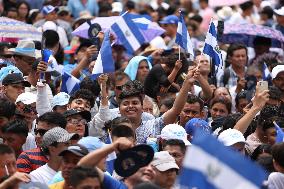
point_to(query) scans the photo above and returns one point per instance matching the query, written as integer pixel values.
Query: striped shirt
(31, 160)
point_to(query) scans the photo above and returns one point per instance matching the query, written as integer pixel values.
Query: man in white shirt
(54, 141)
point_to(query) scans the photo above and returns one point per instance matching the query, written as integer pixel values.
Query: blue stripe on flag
(208, 49)
(209, 164)
(280, 133)
(69, 84)
(128, 32)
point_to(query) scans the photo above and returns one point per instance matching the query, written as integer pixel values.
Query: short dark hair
(51, 38)
(263, 41)
(231, 120)
(18, 127)
(233, 47)
(92, 85)
(84, 94)
(278, 153)
(85, 43)
(191, 99)
(5, 149)
(54, 118)
(175, 142)
(222, 100)
(168, 102)
(241, 95)
(79, 174)
(132, 89)
(118, 128)
(120, 75)
(274, 92)
(246, 5)
(7, 108)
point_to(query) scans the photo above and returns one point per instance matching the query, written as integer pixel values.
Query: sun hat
(279, 12)
(174, 131)
(57, 134)
(230, 137)
(163, 161)
(25, 48)
(26, 98)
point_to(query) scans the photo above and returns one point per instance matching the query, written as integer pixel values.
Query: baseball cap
(131, 160)
(91, 143)
(85, 114)
(60, 99)
(230, 137)
(196, 123)
(174, 131)
(171, 19)
(57, 134)
(276, 70)
(163, 161)
(76, 149)
(15, 78)
(279, 12)
(48, 9)
(26, 98)
(117, 7)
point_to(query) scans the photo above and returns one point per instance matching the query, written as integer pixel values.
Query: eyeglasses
(118, 88)
(41, 132)
(77, 121)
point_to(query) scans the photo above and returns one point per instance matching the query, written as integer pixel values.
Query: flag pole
(178, 52)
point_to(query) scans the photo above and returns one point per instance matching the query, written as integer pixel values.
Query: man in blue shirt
(77, 6)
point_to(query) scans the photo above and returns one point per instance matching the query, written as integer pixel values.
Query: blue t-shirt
(110, 182)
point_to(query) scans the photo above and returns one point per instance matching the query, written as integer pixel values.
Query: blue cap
(9, 70)
(171, 19)
(195, 123)
(60, 99)
(48, 9)
(91, 143)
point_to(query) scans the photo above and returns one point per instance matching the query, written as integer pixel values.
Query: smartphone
(262, 85)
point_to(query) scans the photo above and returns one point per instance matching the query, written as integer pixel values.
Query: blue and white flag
(209, 164)
(182, 36)
(104, 62)
(128, 33)
(110, 158)
(266, 75)
(211, 47)
(69, 84)
(279, 133)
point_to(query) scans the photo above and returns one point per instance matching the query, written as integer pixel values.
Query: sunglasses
(118, 88)
(41, 132)
(29, 109)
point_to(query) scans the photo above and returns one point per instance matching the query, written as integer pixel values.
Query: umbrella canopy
(12, 30)
(149, 29)
(220, 3)
(246, 33)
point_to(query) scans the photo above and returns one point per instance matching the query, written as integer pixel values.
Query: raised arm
(259, 102)
(171, 115)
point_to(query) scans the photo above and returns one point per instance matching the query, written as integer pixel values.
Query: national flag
(182, 36)
(69, 84)
(104, 62)
(209, 164)
(110, 158)
(211, 47)
(279, 133)
(266, 75)
(128, 33)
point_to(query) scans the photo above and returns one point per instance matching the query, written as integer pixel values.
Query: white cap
(116, 7)
(174, 131)
(230, 137)
(276, 70)
(60, 99)
(26, 98)
(280, 11)
(163, 161)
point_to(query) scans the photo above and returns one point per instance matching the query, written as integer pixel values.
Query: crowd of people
(98, 136)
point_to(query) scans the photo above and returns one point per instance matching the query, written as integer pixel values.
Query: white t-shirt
(43, 174)
(276, 180)
(30, 142)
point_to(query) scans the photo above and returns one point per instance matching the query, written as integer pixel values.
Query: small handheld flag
(266, 75)
(211, 47)
(69, 84)
(280, 133)
(182, 36)
(104, 62)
